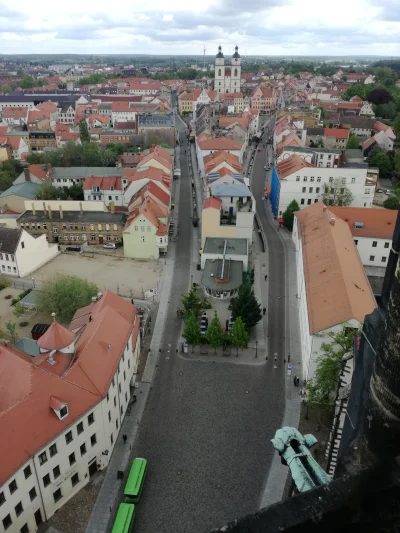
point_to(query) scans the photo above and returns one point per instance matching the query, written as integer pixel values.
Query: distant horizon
(207, 56)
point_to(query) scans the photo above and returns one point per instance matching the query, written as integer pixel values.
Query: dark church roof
(236, 55)
(220, 54)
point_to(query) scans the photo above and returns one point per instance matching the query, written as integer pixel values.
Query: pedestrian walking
(265, 277)
(124, 438)
(294, 380)
(297, 382)
(264, 310)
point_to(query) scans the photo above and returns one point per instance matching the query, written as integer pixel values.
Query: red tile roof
(378, 223)
(338, 133)
(105, 183)
(288, 166)
(220, 143)
(213, 202)
(215, 159)
(37, 171)
(16, 113)
(55, 338)
(13, 141)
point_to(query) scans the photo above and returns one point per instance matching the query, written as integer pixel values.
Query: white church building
(227, 74)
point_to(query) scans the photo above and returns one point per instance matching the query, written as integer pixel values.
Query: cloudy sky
(270, 27)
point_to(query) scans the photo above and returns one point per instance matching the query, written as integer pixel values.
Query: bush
(4, 282)
(15, 300)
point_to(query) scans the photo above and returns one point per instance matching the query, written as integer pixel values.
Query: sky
(258, 27)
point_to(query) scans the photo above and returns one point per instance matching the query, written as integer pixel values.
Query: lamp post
(256, 348)
(33, 283)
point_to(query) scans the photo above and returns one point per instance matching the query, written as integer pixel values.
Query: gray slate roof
(233, 274)
(82, 172)
(308, 149)
(228, 189)
(26, 190)
(215, 245)
(74, 216)
(315, 131)
(9, 239)
(358, 122)
(162, 121)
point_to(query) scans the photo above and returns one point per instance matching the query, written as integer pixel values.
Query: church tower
(236, 72)
(219, 73)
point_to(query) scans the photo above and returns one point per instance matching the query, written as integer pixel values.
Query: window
(374, 244)
(305, 178)
(83, 448)
(90, 419)
(56, 472)
(91, 227)
(319, 179)
(109, 416)
(108, 396)
(68, 437)
(312, 178)
(372, 258)
(107, 227)
(126, 396)
(79, 428)
(112, 439)
(148, 228)
(55, 230)
(53, 450)
(57, 495)
(356, 241)
(343, 181)
(304, 189)
(317, 189)
(129, 363)
(32, 494)
(366, 191)
(18, 509)
(115, 227)
(310, 189)
(99, 226)
(93, 439)
(7, 258)
(7, 521)
(92, 237)
(119, 387)
(24, 529)
(72, 459)
(124, 375)
(136, 228)
(13, 486)
(22, 244)
(387, 244)
(46, 480)
(383, 260)
(115, 401)
(83, 227)
(75, 479)
(142, 238)
(297, 178)
(353, 180)
(142, 227)
(8, 269)
(341, 191)
(302, 201)
(309, 201)
(27, 472)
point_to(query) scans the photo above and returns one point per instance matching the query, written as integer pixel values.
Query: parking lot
(127, 277)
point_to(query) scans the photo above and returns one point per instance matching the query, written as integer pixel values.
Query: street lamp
(33, 283)
(256, 347)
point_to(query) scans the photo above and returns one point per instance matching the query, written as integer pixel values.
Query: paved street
(207, 426)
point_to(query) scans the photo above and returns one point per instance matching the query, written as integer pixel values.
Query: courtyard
(127, 277)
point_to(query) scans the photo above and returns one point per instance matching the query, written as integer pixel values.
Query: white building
(297, 180)
(21, 254)
(108, 189)
(63, 414)
(205, 147)
(319, 157)
(372, 231)
(332, 286)
(66, 113)
(227, 77)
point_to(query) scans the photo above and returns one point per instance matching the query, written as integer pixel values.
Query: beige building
(14, 198)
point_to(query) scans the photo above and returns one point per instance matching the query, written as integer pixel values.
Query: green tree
(288, 215)
(6, 88)
(12, 330)
(353, 142)
(336, 193)
(238, 334)
(84, 131)
(48, 191)
(5, 181)
(192, 332)
(246, 306)
(215, 337)
(393, 202)
(27, 82)
(323, 112)
(18, 310)
(382, 162)
(322, 388)
(75, 192)
(193, 303)
(65, 294)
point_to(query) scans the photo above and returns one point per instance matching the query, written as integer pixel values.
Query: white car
(110, 245)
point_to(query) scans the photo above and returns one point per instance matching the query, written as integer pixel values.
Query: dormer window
(63, 412)
(59, 407)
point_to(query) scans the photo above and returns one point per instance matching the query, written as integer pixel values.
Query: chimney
(33, 208)
(81, 208)
(61, 212)
(27, 174)
(50, 215)
(112, 207)
(44, 208)
(54, 316)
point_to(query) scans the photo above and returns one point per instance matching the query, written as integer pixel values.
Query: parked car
(388, 192)
(73, 248)
(110, 245)
(379, 190)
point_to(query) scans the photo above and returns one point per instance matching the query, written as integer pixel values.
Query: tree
(215, 337)
(336, 193)
(288, 215)
(321, 389)
(75, 192)
(323, 111)
(48, 191)
(18, 310)
(393, 202)
(6, 88)
(238, 334)
(383, 163)
(5, 181)
(84, 131)
(192, 332)
(246, 306)
(353, 142)
(379, 95)
(194, 303)
(12, 330)
(65, 294)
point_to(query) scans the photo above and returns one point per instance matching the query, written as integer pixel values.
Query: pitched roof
(155, 156)
(26, 189)
(220, 143)
(336, 132)
(288, 166)
(229, 121)
(152, 189)
(9, 239)
(151, 173)
(14, 142)
(230, 189)
(370, 141)
(337, 287)
(289, 140)
(15, 112)
(217, 158)
(37, 171)
(104, 183)
(213, 202)
(56, 337)
(377, 223)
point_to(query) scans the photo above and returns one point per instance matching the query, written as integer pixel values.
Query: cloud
(259, 27)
